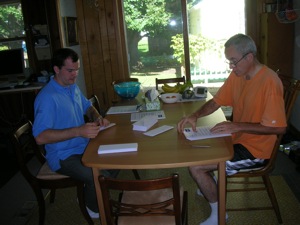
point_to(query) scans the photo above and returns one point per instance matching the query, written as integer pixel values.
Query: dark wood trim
(186, 40)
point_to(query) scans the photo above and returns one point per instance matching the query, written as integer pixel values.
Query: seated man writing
(255, 93)
(59, 124)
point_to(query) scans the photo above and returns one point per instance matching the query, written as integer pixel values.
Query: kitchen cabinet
(276, 43)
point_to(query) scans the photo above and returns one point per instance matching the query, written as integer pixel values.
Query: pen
(201, 146)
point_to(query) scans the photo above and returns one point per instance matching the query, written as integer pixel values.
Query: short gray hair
(243, 44)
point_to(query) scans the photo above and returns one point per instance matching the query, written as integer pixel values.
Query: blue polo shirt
(58, 107)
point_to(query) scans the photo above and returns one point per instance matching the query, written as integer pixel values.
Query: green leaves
(146, 15)
(11, 21)
(197, 45)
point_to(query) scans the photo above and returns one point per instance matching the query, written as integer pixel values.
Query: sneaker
(92, 214)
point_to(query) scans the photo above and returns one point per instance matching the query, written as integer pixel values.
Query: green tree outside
(11, 24)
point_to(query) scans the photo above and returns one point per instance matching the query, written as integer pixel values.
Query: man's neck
(253, 70)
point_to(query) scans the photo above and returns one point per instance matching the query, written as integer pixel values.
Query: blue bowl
(127, 90)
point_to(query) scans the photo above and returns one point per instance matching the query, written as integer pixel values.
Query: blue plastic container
(127, 90)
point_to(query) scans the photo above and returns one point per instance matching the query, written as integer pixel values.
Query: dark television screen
(12, 63)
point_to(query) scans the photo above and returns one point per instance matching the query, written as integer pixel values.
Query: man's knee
(202, 169)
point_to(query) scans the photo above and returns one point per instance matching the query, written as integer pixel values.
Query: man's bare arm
(251, 128)
(208, 108)
(88, 130)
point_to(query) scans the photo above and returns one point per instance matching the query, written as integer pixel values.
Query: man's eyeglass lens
(233, 64)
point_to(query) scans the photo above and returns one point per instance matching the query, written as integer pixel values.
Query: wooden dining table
(167, 150)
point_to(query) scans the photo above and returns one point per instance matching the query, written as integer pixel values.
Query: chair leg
(272, 197)
(136, 174)
(81, 202)
(52, 195)
(41, 203)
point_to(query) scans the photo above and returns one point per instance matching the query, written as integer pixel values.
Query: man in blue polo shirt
(59, 124)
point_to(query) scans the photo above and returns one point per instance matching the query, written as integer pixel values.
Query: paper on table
(145, 123)
(202, 132)
(160, 114)
(158, 130)
(108, 126)
(115, 148)
(122, 109)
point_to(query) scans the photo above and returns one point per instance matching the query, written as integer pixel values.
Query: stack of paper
(145, 123)
(115, 148)
(201, 133)
(122, 109)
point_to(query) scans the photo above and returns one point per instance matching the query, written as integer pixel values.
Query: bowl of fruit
(170, 97)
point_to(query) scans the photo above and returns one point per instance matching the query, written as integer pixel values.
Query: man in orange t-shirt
(255, 94)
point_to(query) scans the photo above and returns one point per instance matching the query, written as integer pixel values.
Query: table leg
(222, 193)
(96, 173)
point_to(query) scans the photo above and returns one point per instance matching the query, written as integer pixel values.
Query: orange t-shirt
(259, 100)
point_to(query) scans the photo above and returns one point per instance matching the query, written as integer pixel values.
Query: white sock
(213, 218)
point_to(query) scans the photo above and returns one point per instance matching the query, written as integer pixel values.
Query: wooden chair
(169, 80)
(26, 147)
(95, 102)
(155, 201)
(291, 89)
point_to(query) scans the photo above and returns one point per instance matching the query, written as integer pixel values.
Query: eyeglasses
(233, 64)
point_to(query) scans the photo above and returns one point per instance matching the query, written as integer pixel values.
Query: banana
(168, 86)
(170, 89)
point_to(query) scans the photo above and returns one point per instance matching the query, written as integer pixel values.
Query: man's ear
(56, 69)
(251, 56)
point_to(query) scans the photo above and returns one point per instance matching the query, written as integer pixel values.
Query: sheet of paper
(160, 114)
(202, 132)
(108, 126)
(158, 130)
(115, 148)
(122, 109)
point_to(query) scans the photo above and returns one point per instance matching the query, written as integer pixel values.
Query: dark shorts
(242, 159)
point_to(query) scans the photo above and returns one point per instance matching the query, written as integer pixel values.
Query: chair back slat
(169, 80)
(96, 103)
(169, 205)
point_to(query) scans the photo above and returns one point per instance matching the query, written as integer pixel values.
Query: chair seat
(148, 197)
(45, 173)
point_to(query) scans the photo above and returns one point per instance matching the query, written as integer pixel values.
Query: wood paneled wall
(102, 51)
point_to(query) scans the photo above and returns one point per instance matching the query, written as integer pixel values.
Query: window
(12, 34)
(158, 30)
